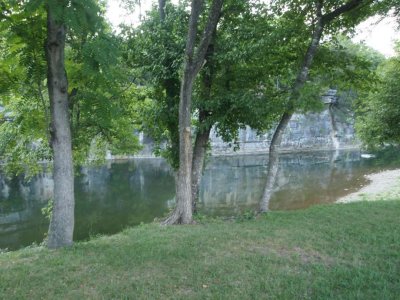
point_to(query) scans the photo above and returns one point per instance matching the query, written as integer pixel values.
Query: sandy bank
(384, 185)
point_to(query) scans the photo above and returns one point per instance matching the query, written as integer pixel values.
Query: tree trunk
(273, 160)
(203, 134)
(321, 21)
(193, 63)
(62, 222)
(184, 192)
(183, 210)
(199, 155)
(161, 9)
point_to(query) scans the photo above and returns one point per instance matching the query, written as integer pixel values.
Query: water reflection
(122, 194)
(108, 199)
(233, 185)
(126, 193)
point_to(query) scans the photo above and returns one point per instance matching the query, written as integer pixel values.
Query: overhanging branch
(353, 4)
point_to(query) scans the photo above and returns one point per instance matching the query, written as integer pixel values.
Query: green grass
(349, 251)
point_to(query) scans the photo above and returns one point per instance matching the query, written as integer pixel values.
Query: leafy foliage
(237, 73)
(378, 122)
(98, 83)
(248, 80)
(154, 51)
(22, 91)
(257, 51)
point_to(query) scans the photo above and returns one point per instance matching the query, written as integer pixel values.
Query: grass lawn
(349, 251)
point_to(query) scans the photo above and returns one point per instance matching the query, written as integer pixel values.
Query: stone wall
(312, 131)
(330, 129)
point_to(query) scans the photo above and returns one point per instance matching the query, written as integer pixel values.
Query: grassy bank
(349, 251)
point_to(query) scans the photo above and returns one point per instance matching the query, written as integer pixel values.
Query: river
(125, 193)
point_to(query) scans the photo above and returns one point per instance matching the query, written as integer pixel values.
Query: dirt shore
(384, 185)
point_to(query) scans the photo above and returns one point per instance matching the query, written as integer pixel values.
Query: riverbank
(325, 252)
(384, 185)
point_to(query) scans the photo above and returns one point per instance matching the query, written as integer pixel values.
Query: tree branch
(161, 9)
(352, 4)
(213, 18)
(191, 39)
(309, 56)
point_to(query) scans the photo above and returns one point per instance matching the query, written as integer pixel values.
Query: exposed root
(174, 218)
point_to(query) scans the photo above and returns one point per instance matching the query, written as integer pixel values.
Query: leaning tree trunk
(321, 21)
(199, 155)
(62, 221)
(273, 161)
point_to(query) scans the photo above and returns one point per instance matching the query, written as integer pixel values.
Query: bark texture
(62, 221)
(193, 63)
(273, 161)
(203, 133)
(320, 23)
(199, 155)
(161, 9)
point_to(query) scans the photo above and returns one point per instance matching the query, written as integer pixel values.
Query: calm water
(126, 193)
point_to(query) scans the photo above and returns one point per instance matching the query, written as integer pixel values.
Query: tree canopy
(378, 119)
(98, 102)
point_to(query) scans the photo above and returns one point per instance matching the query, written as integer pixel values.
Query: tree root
(173, 219)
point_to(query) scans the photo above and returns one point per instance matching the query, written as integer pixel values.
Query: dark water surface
(126, 193)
